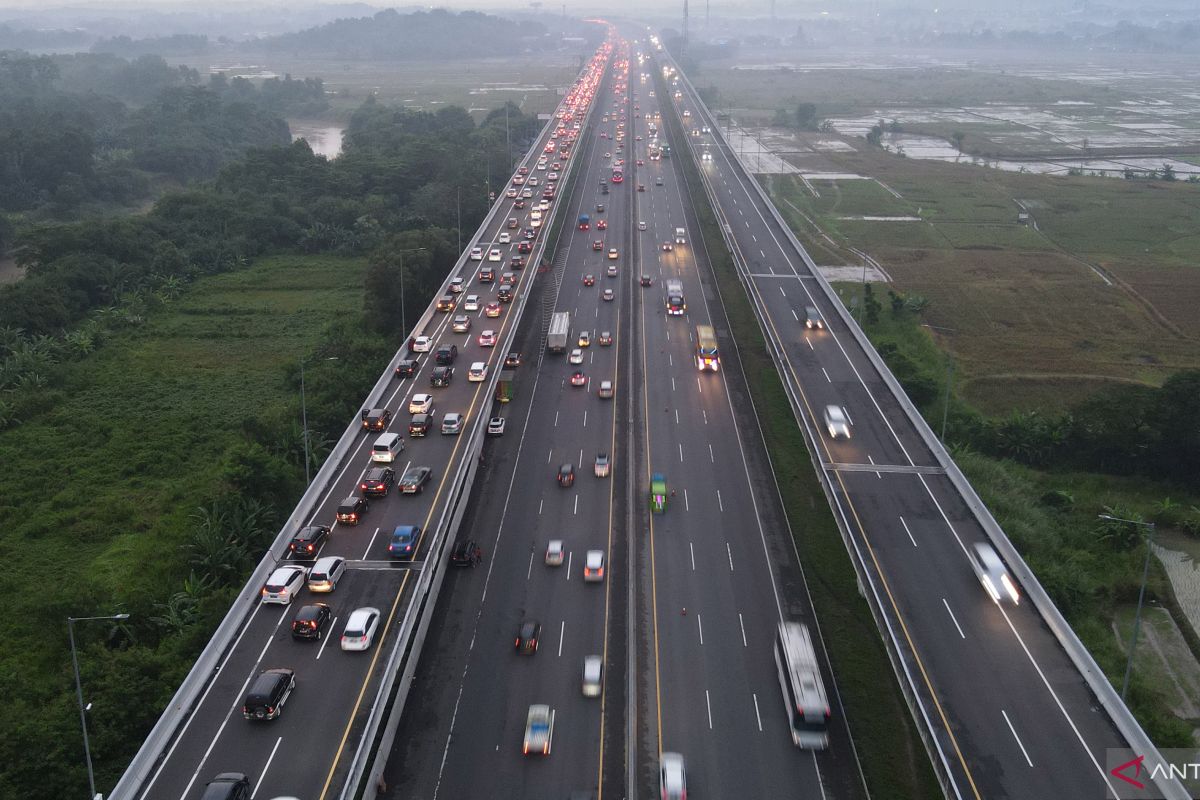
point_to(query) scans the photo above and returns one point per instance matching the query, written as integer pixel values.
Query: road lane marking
(877, 473)
(719, 501)
(708, 703)
(555, 423)
(700, 629)
(742, 624)
(370, 544)
(576, 509)
(529, 569)
(906, 530)
(729, 552)
(1024, 752)
(711, 458)
(757, 715)
(677, 416)
(826, 373)
(953, 619)
(562, 634)
(794, 315)
(681, 454)
(266, 767)
(325, 639)
(705, 415)
(686, 506)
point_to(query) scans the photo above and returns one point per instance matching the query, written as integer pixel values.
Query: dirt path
(9, 271)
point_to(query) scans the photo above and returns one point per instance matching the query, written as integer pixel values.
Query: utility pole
(685, 29)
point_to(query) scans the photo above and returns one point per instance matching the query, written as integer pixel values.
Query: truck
(585, 222)
(504, 390)
(676, 305)
(560, 332)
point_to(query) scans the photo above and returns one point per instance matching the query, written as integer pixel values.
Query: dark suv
(376, 419)
(377, 482)
(407, 368)
(441, 377)
(351, 510)
(307, 542)
(466, 554)
(310, 622)
(505, 294)
(419, 425)
(445, 355)
(267, 694)
(527, 637)
(227, 786)
(513, 359)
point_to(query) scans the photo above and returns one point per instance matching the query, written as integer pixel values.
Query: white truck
(675, 302)
(560, 332)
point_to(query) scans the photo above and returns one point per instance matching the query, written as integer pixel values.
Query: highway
(1013, 716)
(701, 683)
(306, 751)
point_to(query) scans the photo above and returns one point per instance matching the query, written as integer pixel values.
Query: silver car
(836, 422)
(992, 574)
(672, 777)
(593, 669)
(452, 423)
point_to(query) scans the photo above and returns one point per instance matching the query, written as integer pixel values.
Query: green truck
(504, 386)
(658, 493)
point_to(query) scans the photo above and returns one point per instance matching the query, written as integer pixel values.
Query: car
(351, 510)
(504, 238)
(640, 162)
(607, 294)
(602, 225)
(593, 671)
(646, 280)
(445, 355)
(404, 541)
(486, 275)
(836, 422)
(414, 480)
(605, 392)
(576, 356)
(607, 155)
(672, 777)
(487, 338)
(612, 254)
(284, 584)
(493, 309)
(602, 466)
(375, 419)
(612, 270)
(504, 295)
(992, 574)
(658, 182)
(527, 192)
(593, 566)
(452, 423)
(512, 360)
(477, 372)
(461, 324)
(516, 262)
(605, 339)
(495, 426)
(599, 208)
(510, 193)
(524, 247)
(359, 633)
(513, 224)
(589, 279)
(377, 481)
(495, 255)
(539, 730)
(578, 378)
(406, 368)
(441, 377)
(528, 633)
(555, 553)
(446, 303)
(420, 404)
(641, 226)
(471, 303)
(553, 176)
(813, 318)
(267, 694)
(566, 475)
(466, 553)
(585, 339)
(418, 425)
(421, 344)
(310, 622)
(597, 246)
(533, 181)
(227, 786)
(325, 574)
(477, 254)
(668, 246)
(641, 187)
(520, 204)
(308, 541)
(530, 234)
(508, 279)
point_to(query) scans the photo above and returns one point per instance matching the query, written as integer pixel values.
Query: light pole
(949, 376)
(87, 750)
(304, 419)
(1137, 617)
(403, 311)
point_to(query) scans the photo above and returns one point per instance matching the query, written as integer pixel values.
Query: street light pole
(304, 422)
(87, 749)
(1137, 617)
(403, 310)
(949, 377)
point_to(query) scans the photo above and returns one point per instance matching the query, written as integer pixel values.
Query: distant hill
(426, 35)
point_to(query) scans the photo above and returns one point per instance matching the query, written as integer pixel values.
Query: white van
(680, 236)
(386, 448)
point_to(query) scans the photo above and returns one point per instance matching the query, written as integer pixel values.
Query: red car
(578, 378)
(589, 280)
(602, 225)
(597, 245)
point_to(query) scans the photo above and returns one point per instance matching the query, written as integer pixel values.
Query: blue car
(404, 541)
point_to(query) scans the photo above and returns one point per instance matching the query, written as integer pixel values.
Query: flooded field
(324, 139)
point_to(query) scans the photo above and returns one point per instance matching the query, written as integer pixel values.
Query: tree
(1167, 172)
(806, 117)
(957, 138)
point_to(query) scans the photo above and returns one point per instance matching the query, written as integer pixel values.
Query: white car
(544, 205)
(539, 730)
(495, 254)
(672, 777)
(495, 426)
(533, 181)
(593, 670)
(992, 574)
(593, 566)
(605, 391)
(420, 404)
(422, 344)
(478, 372)
(505, 238)
(641, 226)
(359, 632)
(456, 285)
(325, 574)
(576, 356)
(555, 553)
(477, 254)
(471, 303)
(283, 585)
(836, 422)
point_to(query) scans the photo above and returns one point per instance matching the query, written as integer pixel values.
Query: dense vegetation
(126, 335)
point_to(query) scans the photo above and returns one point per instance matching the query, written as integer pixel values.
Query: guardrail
(166, 730)
(1093, 676)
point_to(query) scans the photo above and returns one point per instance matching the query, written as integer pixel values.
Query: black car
(351, 510)
(446, 303)
(566, 475)
(441, 376)
(415, 479)
(445, 355)
(310, 622)
(466, 554)
(267, 694)
(377, 482)
(376, 419)
(647, 280)
(227, 786)
(527, 637)
(505, 294)
(419, 426)
(407, 368)
(513, 359)
(307, 543)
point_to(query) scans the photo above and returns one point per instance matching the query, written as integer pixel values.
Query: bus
(676, 305)
(707, 356)
(804, 698)
(617, 175)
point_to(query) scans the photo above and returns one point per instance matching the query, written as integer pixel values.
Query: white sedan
(420, 404)
(505, 238)
(576, 356)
